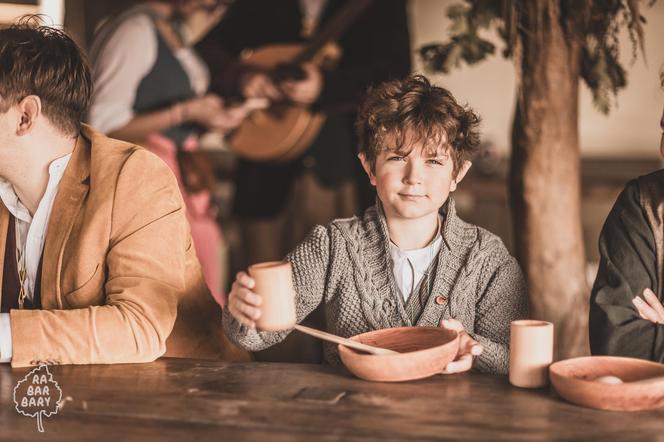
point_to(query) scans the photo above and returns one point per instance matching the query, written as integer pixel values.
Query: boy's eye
(395, 158)
(435, 161)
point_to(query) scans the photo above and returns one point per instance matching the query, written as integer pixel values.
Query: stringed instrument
(284, 130)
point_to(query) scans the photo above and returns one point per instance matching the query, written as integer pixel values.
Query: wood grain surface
(177, 399)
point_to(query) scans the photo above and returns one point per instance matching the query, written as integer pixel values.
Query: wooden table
(174, 399)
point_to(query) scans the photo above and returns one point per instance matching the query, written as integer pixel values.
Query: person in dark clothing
(626, 312)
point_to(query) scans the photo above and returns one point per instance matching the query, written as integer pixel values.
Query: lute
(282, 131)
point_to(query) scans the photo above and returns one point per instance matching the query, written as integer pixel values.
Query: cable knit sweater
(347, 266)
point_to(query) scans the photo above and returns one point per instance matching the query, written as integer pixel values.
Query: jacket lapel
(72, 191)
(4, 223)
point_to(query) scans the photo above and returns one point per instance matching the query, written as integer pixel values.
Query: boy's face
(416, 185)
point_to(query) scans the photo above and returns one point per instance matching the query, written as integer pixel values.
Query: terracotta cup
(274, 283)
(531, 353)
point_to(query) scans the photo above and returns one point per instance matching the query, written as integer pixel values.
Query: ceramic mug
(531, 353)
(274, 283)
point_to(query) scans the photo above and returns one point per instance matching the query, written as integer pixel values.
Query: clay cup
(274, 283)
(531, 353)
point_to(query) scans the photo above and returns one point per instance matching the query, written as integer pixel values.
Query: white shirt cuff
(5, 338)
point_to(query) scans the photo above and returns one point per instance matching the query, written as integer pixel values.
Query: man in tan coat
(96, 259)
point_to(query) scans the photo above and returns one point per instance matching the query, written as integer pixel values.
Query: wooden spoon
(344, 341)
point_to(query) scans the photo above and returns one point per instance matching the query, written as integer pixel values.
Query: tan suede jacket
(118, 267)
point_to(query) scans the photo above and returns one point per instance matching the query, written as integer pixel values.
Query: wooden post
(545, 174)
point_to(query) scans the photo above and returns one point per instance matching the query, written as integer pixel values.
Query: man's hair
(402, 114)
(43, 61)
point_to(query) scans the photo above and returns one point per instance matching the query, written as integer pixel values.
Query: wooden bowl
(642, 386)
(423, 351)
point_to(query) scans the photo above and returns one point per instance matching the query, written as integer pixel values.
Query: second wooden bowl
(580, 380)
(422, 352)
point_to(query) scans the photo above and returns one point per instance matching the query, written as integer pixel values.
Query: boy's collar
(448, 211)
(448, 227)
(435, 238)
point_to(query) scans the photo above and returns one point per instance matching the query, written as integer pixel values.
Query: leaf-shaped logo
(38, 395)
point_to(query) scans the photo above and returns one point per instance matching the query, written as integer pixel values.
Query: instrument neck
(333, 29)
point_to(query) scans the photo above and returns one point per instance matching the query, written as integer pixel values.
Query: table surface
(180, 399)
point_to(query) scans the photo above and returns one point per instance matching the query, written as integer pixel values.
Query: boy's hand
(651, 309)
(244, 304)
(468, 348)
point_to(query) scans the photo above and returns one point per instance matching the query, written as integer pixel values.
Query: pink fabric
(205, 232)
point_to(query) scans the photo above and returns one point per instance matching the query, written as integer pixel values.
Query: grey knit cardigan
(347, 266)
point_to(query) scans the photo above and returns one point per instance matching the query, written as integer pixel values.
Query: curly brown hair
(399, 115)
(44, 61)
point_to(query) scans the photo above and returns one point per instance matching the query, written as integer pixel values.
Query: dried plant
(596, 24)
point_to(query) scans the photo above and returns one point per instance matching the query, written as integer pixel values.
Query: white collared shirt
(410, 266)
(31, 233)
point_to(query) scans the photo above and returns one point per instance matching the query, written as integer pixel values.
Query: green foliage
(595, 23)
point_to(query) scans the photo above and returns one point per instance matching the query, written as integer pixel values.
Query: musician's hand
(259, 85)
(209, 111)
(304, 91)
(201, 110)
(650, 308)
(229, 118)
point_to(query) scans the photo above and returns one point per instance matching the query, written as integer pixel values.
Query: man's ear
(29, 110)
(367, 168)
(463, 170)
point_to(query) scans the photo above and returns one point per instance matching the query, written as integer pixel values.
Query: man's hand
(210, 112)
(229, 118)
(468, 348)
(259, 85)
(304, 91)
(651, 309)
(244, 304)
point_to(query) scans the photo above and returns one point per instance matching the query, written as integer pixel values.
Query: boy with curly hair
(409, 260)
